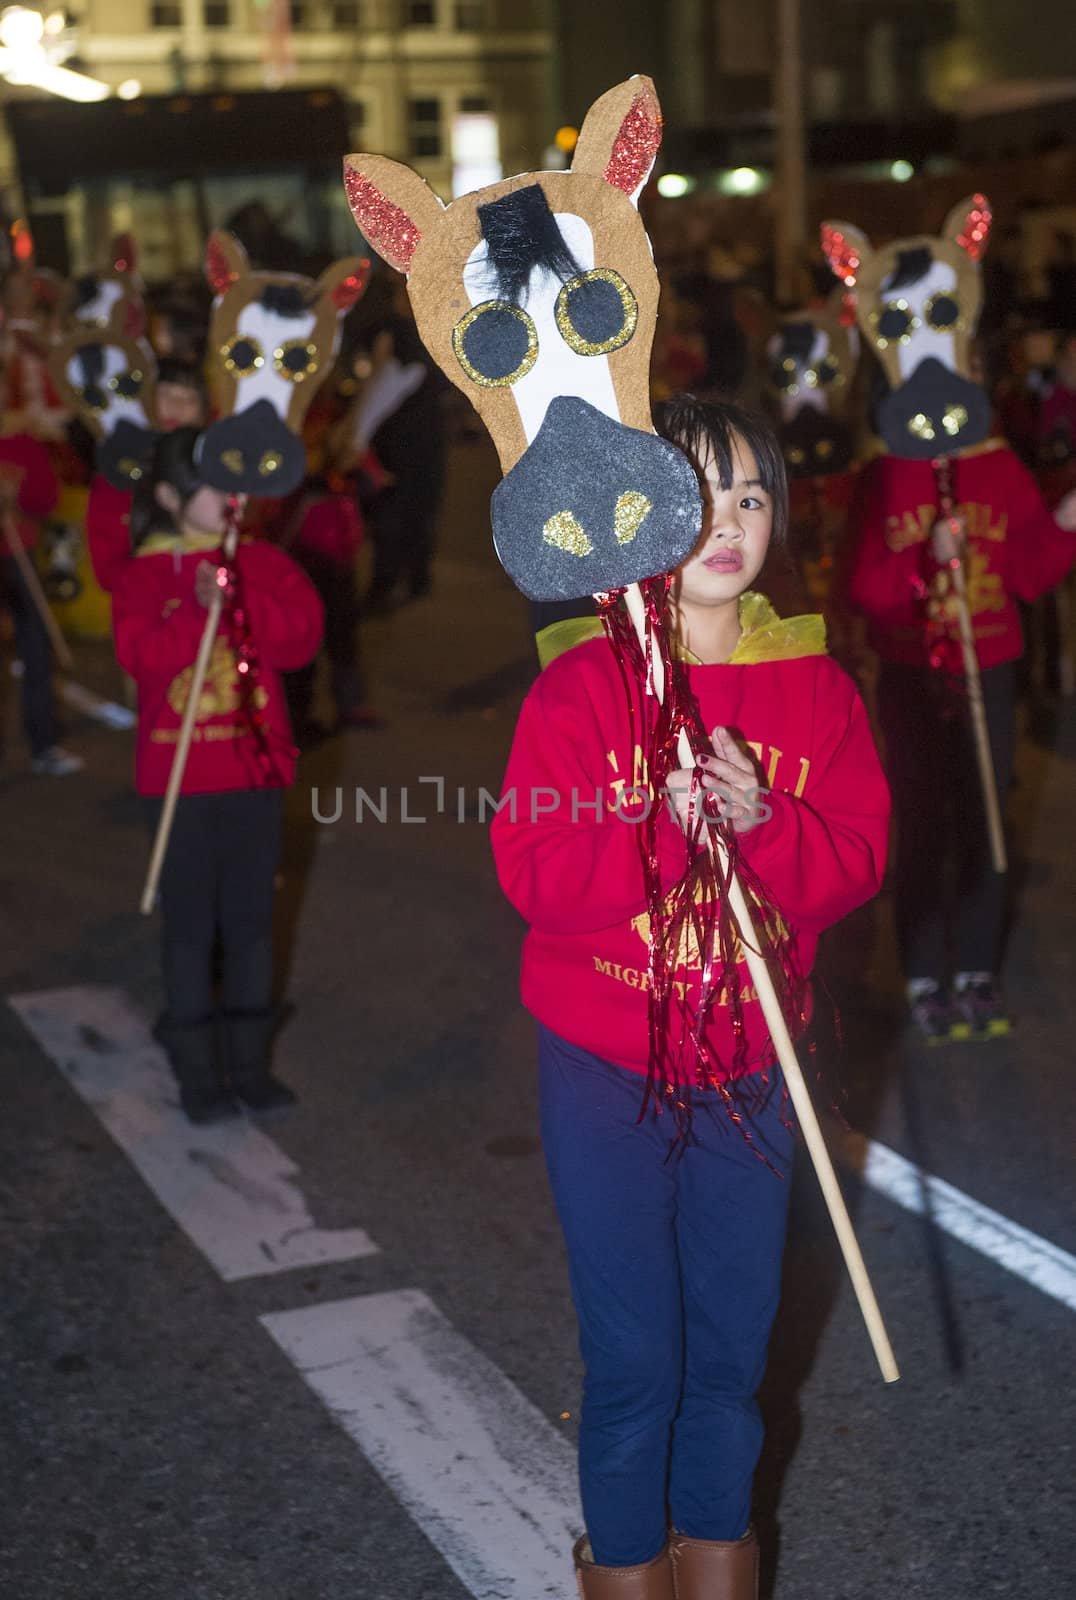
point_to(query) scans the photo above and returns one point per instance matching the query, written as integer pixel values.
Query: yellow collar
(184, 544)
(764, 636)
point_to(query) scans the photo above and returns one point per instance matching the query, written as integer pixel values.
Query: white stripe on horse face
(806, 395)
(925, 342)
(98, 310)
(120, 407)
(558, 369)
(271, 331)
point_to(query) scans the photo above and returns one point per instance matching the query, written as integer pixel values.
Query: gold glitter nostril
(921, 426)
(565, 533)
(953, 419)
(270, 462)
(233, 460)
(631, 510)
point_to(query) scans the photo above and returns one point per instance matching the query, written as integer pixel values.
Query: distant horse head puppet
(271, 336)
(103, 367)
(811, 362)
(918, 302)
(538, 297)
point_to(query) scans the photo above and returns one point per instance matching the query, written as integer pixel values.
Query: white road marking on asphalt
(488, 1479)
(1045, 1266)
(230, 1188)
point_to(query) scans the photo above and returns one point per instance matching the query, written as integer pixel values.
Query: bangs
(707, 431)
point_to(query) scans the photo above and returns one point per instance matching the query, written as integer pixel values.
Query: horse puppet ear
(344, 283)
(225, 261)
(621, 136)
(394, 209)
(846, 249)
(968, 225)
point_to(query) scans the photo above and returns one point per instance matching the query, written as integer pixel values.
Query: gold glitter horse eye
(942, 312)
(596, 312)
(296, 360)
(893, 323)
(242, 356)
(496, 344)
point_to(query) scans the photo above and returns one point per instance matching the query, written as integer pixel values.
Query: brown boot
(654, 1581)
(713, 1569)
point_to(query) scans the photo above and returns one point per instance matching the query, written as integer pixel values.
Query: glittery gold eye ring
(957, 324)
(884, 340)
(295, 374)
(468, 321)
(568, 331)
(231, 365)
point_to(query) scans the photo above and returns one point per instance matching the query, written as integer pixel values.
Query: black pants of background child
(216, 901)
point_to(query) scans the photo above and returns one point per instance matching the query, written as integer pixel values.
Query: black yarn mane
(286, 299)
(86, 289)
(90, 359)
(911, 267)
(797, 339)
(521, 233)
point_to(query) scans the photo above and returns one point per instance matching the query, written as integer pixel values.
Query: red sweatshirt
(1015, 548)
(27, 460)
(158, 624)
(108, 531)
(580, 883)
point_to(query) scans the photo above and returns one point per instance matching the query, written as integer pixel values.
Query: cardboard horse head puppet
(918, 302)
(103, 367)
(272, 337)
(811, 363)
(538, 297)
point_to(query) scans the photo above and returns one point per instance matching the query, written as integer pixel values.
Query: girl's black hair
(184, 374)
(171, 461)
(704, 429)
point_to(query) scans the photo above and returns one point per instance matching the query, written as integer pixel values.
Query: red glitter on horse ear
(348, 291)
(974, 236)
(843, 253)
(636, 144)
(389, 229)
(219, 271)
(847, 313)
(123, 253)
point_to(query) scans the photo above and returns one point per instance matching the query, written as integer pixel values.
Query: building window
(165, 16)
(356, 122)
(421, 13)
(346, 15)
(300, 14)
(474, 105)
(470, 15)
(217, 14)
(424, 128)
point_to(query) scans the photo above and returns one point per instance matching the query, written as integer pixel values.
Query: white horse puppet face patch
(538, 298)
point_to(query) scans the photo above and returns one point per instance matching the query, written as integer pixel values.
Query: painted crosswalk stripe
(1044, 1265)
(486, 1477)
(228, 1186)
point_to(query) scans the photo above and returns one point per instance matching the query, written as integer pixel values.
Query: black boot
(189, 1047)
(247, 1037)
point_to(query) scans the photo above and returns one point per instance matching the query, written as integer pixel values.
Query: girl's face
(737, 523)
(202, 513)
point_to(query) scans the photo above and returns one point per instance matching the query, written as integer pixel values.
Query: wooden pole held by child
(190, 713)
(943, 475)
(786, 1054)
(37, 594)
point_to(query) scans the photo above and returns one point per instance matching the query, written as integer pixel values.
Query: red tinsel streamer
(944, 654)
(696, 911)
(247, 661)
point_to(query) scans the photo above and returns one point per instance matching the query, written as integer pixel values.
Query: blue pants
(675, 1267)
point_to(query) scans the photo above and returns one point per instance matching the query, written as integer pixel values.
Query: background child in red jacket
(28, 492)
(675, 1263)
(217, 882)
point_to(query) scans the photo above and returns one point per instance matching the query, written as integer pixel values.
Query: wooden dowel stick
(786, 1054)
(186, 730)
(984, 757)
(37, 594)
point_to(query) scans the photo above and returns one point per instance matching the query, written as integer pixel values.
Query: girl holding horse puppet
(675, 1258)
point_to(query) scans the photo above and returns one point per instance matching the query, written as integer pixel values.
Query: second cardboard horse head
(538, 297)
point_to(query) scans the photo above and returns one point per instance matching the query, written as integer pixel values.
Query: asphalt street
(335, 1359)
